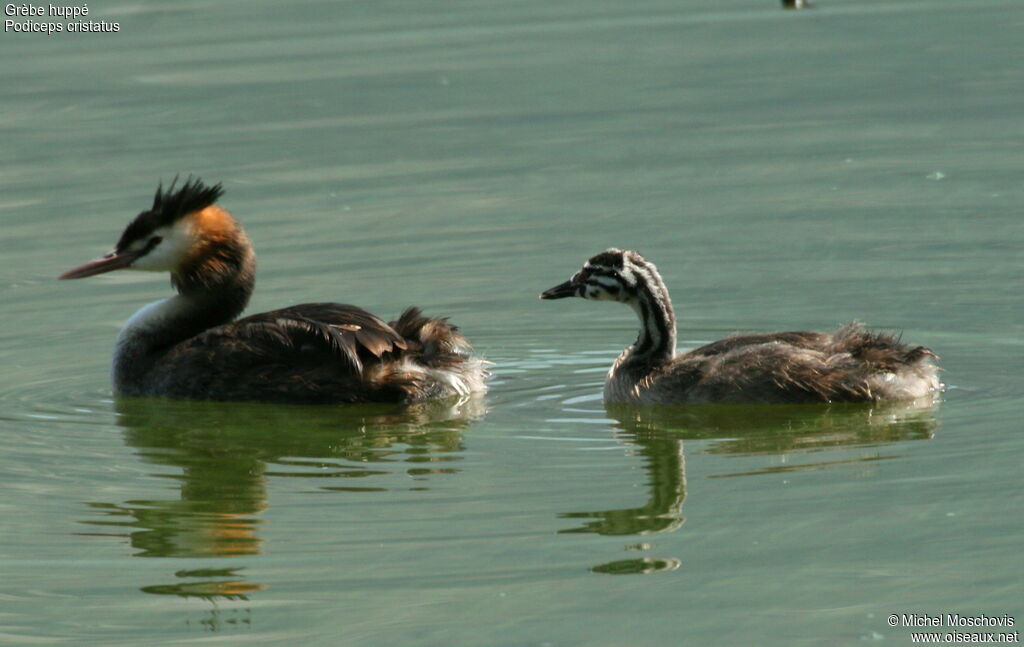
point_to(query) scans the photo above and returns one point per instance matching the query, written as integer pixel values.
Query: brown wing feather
(800, 339)
(436, 342)
(345, 330)
(280, 356)
(793, 366)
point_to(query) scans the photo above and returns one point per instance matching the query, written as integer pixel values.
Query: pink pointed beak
(107, 263)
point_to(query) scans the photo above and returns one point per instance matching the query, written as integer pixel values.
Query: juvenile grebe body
(849, 365)
(190, 345)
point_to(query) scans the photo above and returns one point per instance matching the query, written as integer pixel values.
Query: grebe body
(190, 345)
(849, 365)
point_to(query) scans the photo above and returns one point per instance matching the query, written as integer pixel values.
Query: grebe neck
(211, 292)
(656, 342)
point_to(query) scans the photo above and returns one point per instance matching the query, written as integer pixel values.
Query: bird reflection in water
(222, 454)
(656, 435)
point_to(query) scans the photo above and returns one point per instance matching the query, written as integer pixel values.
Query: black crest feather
(169, 205)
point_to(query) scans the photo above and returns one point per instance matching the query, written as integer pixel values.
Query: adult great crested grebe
(850, 365)
(188, 346)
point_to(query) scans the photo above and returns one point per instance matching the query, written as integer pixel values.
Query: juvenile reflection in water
(662, 456)
(231, 588)
(657, 434)
(639, 566)
(223, 454)
(787, 429)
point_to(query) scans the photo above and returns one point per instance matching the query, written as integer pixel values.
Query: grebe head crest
(168, 235)
(168, 207)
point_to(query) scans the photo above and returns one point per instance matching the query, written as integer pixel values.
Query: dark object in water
(849, 365)
(189, 346)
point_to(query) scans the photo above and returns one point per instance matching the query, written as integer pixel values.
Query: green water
(862, 159)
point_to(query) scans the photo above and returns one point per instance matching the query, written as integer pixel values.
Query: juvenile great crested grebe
(850, 365)
(188, 346)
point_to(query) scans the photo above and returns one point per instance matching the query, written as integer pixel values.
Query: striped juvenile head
(608, 276)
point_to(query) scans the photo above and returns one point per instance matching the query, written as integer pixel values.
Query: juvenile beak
(107, 263)
(560, 291)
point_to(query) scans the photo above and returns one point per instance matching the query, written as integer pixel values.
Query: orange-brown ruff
(850, 365)
(189, 346)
